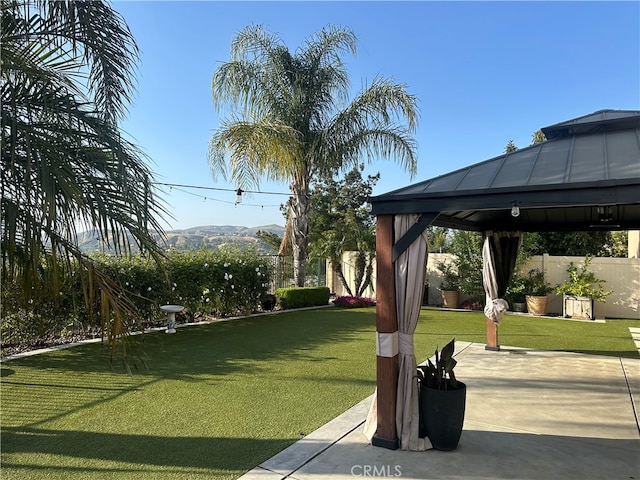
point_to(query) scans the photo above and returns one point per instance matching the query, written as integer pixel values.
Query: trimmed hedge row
(298, 297)
(218, 282)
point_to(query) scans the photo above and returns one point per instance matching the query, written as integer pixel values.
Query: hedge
(219, 282)
(297, 297)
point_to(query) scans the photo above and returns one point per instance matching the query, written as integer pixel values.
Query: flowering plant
(471, 304)
(354, 302)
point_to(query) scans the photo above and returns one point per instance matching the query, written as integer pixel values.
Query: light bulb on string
(515, 210)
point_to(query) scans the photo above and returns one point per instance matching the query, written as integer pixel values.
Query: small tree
(272, 240)
(510, 147)
(538, 137)
(439, 239)
(467, 248)
(340, 222)
(450, 277)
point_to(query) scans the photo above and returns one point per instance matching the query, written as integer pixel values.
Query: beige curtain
(410, 270)
(371, 423)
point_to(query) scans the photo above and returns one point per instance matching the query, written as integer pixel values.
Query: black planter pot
(442, 415)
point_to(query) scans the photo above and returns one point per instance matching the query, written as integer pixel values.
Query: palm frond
(247, 151)
(67, 76)
(99, 36)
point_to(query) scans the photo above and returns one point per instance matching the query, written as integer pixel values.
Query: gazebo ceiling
(586, 176)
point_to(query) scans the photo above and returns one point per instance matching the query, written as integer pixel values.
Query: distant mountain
(215, 230)
(194, 238)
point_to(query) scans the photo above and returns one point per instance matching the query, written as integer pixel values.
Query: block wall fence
(622, 275)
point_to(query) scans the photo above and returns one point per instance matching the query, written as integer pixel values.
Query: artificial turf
(213, 401)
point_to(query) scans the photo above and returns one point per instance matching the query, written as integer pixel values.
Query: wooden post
(492, 336)
(386, 322)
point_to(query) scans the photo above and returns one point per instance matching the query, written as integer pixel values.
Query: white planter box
(577, 307)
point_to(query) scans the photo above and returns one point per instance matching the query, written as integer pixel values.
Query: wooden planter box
(577, 307)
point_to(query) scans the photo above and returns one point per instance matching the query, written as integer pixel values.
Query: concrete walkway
(530, 415)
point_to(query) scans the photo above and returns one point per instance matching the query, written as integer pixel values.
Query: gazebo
(585, 176)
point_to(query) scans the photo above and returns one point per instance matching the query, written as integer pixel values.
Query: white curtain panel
(410, 270)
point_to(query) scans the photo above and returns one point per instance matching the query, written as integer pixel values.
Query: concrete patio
(530, 414)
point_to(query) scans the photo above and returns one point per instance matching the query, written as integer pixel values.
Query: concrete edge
(292, 458)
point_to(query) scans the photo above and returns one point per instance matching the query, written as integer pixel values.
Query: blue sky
(484, 73)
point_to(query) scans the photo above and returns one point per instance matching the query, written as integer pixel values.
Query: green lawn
(216, 400)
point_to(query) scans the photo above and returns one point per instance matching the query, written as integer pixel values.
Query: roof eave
(605, 192)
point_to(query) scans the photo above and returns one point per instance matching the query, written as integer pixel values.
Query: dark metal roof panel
(551, 165)
(622, 150)
(559, 184)
(585, 158)
(601, 120)
(480, 175)
(517, 168)
(588, 159)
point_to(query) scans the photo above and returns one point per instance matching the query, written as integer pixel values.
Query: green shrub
(535, 284)
(517, 290)
(210, 282)
(46, 310)
(583, 283)
(219, 282)
(298, 297)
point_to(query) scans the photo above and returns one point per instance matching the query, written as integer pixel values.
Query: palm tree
(290, 126)
(67, 73)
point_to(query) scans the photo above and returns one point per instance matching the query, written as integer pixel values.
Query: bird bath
(171, 316)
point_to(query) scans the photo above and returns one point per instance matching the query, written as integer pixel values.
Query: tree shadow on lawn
(222, 347)
(47, 388)
(213, 453)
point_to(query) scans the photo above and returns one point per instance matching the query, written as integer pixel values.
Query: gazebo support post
(492, 336)
(386, 323)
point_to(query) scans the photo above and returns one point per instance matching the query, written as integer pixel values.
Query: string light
(204, 198)
(515, 210)
(170, 185)
(238, 191)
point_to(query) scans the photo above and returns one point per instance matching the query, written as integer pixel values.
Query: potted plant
(516, 293)
(268, 302)
(580, 291)
(450, 285)
(442, 400)
(536, 289)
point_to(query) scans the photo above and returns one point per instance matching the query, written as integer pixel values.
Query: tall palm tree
(290, 123)
(67, 73)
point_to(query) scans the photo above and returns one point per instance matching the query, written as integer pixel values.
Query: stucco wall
(633, 243)
(622, 275)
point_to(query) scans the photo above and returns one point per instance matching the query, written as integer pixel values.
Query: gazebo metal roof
(585, 176)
